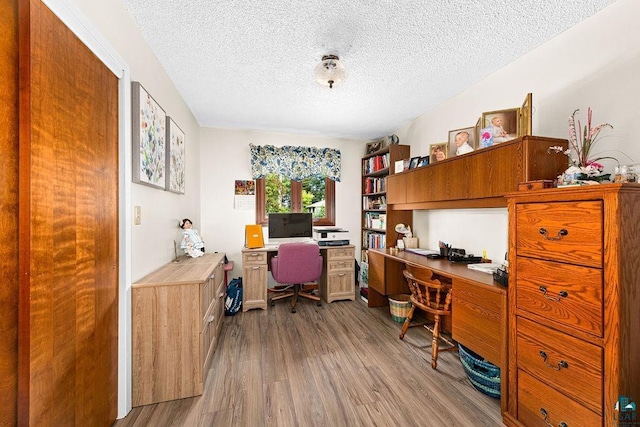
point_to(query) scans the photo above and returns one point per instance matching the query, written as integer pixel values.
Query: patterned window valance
(295, 163)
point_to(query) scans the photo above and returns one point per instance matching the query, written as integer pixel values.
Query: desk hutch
(479, 179)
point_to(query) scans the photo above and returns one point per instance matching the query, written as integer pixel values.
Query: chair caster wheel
(319, 304)
(293, 309)
(273, 303)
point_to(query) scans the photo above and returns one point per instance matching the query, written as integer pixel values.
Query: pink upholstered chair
(295, 265)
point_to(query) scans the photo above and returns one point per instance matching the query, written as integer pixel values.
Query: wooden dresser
(574, 305)
(177, 315)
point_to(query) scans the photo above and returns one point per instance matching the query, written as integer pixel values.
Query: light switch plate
(137, 215)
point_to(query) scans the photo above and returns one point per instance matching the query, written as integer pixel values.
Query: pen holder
(445, 252)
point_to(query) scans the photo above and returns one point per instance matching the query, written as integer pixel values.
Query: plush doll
(192, 243)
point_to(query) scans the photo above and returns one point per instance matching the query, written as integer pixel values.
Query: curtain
(295, 163)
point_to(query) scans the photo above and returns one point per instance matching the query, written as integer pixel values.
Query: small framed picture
(424, 161)
(398, 166)
(406, 164)
(462, 141)
(478, 127)
(414, 162)
(374, 146)
(525, 116)
(499, 126)
(438, 152)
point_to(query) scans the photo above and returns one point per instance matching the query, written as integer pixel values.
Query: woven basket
(484, 376)
(399, 305)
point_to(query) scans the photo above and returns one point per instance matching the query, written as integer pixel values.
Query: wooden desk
(479, 308)
(336, 283)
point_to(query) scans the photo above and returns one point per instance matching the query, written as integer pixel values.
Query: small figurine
(192, 243)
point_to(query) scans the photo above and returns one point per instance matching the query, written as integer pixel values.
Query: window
(275, 193)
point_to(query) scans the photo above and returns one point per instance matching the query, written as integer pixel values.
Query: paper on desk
(421, 251)
(484, 267)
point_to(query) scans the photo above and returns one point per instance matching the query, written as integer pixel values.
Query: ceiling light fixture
(330, 71)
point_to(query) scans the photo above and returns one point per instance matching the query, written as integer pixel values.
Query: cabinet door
(254, 287)
(376, 272)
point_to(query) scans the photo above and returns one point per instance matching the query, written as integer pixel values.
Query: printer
(330, 236)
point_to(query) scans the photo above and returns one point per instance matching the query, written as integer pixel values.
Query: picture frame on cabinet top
(503, 125)
(526, 112)
(438, 152)
(414, 162)
(466, 137)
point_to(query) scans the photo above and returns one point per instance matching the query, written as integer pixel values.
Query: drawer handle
(561, 364)
(561, 294)
(210, 319)
(563, 232)
(257, 267)
(546, 419)
(342, 274)
(254, 255)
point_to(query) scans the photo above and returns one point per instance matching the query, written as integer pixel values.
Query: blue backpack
(233, 301)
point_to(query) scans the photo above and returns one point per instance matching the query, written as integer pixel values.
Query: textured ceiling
(249, 64)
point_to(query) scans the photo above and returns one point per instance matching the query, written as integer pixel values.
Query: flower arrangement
(581, 142)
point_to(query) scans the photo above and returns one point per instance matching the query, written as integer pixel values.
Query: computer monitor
(290, 227)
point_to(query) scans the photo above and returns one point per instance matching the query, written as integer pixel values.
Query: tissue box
(410, 242)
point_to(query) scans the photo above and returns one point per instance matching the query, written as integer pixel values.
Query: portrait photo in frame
(462, 141)
(414, 162)
(438, 152)
(175, 170)
(501, 125)
(148, 138)
(526, 112)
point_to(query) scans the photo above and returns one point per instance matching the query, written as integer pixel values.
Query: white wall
(225, 157)
(594, 64)
(152, 241)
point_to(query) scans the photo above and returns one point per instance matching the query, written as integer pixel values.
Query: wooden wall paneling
(70, 286)
(8, 212)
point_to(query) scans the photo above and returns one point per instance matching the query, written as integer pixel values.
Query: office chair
(296, 264)
(431, 296)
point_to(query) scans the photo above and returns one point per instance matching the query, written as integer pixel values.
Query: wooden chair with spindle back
(431, 296)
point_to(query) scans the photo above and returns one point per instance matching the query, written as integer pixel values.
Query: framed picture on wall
(502, 125)
(438, 152)
(148, 139)
(175, 158)
(462, 141)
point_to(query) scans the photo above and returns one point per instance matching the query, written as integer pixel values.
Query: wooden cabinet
(177, 315)
(378, 220)
(338, 274)
(478, 179)
(574, 305)
(254, 279)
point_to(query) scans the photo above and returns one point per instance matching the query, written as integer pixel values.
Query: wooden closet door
(68, 227)
(8, 211)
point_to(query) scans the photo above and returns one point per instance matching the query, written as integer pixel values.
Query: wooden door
(68, 264)
(8, 211)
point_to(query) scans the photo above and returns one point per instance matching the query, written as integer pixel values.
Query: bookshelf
(377, 221)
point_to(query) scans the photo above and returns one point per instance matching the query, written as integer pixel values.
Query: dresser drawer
(567, 294)
(541, 405)
(340, 266)
(258, 257)
(568, 364)
(341, 253)
(561, 231)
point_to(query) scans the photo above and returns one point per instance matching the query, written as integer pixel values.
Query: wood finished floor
(341, 364)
